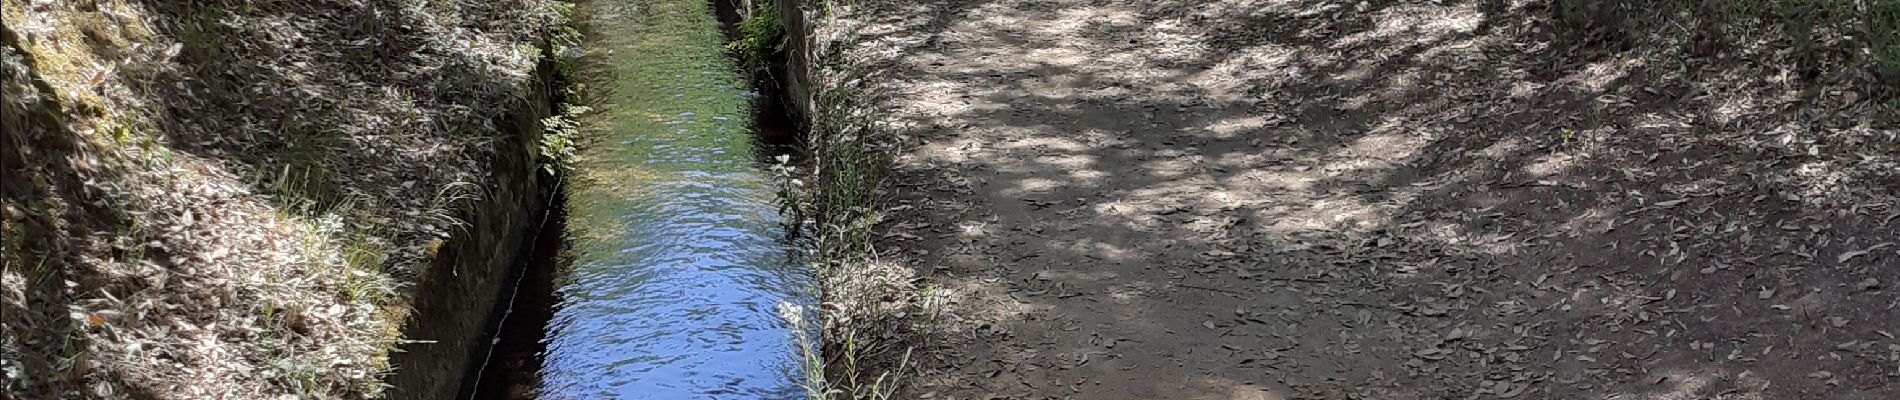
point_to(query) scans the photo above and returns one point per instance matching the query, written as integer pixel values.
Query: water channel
(676, 259)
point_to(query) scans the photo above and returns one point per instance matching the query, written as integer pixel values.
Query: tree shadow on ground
(51, 216)
(1388, 199)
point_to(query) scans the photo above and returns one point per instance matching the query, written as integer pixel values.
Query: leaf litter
(1472, 223)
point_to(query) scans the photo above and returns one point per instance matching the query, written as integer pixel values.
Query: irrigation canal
(670, 263)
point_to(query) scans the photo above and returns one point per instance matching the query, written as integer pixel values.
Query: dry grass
(869, 305)
(228, 199)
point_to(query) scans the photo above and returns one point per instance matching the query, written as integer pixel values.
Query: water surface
(679, 256)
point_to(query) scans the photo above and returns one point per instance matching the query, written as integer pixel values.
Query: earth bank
(264, 199)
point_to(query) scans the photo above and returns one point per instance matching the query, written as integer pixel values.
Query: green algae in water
(679, 252)
(671, 87)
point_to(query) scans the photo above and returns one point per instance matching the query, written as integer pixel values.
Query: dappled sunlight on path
(1323, 199)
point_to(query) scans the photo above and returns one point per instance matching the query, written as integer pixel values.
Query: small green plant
(134, 235)
(559, 141)
(789, 186)
(760, 36)
(1883, 37)
(811, 363)
(880, 388)
(565, 41)
(202, 38)
(561, 135)
(840, 198)
(363, 259)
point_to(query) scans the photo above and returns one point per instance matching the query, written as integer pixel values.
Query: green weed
(202, 37)
(560, 138)
(864, 356)
(1883, 36)
(761, 36)
(452, 199)
(306, 167)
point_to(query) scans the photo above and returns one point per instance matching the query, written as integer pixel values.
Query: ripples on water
(679, 254)
(686, 307)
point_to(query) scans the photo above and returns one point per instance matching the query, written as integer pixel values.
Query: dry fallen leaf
(1845, 257)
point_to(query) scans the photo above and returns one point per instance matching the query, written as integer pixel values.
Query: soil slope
(237, 199)
(1379, 199)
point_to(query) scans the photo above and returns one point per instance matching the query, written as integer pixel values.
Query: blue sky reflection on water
(680, 256)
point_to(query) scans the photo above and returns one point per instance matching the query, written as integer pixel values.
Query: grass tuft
(865, 350)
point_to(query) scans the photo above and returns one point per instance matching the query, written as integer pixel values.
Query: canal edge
(871, 309)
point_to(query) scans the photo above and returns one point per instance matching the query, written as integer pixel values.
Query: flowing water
(677, 258)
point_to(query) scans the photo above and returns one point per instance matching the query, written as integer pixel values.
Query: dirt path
(1328, 199)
